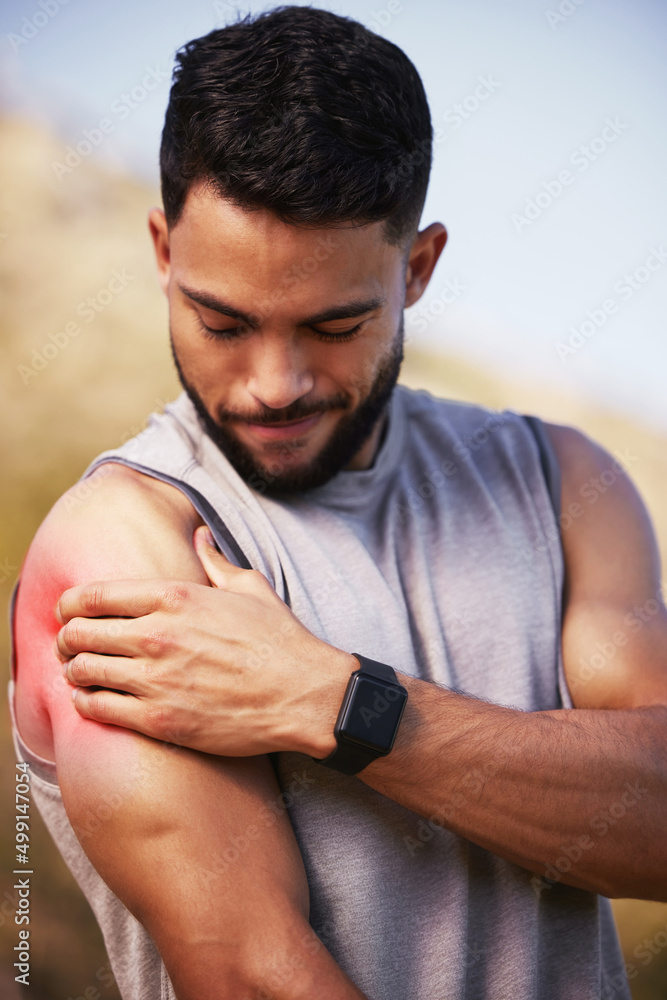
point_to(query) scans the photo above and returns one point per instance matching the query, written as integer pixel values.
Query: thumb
(216, 566)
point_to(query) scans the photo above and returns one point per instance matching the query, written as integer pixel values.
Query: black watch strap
(349, 758)
(379, 670)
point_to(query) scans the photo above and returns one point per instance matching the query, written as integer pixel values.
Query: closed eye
(228, 333)
(340, 336)
(234, 332)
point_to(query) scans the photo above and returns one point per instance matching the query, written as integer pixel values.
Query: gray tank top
(444, 560)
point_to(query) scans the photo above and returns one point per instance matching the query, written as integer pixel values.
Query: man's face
(287, 340)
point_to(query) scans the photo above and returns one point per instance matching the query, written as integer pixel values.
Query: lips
(283, 431)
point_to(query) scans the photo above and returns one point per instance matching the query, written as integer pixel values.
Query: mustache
(298, 410)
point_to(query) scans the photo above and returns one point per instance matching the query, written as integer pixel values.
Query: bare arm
(196, 847)
(578, 795)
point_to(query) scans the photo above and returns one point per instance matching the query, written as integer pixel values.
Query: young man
(369, 553)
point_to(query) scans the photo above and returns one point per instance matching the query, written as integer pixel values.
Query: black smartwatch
(368, 720)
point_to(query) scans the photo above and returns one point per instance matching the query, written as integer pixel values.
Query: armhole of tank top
(224, 539)
(552, 478)
(548, 462)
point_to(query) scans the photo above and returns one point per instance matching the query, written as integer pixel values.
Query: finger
(111, 708)
(112, 636)
(129, 712)
(119, 598)
(91, 670)
(220, 571)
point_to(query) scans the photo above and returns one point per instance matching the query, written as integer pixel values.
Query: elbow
(252, 964)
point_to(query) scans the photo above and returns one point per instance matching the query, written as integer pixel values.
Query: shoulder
(114, 518)
(115, 524)
(614, 623)
(604, 522)
(596, 484)
(499, 443)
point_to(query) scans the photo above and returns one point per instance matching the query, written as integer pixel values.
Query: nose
(280, 373)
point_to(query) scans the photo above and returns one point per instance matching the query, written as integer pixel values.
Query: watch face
(372, 713)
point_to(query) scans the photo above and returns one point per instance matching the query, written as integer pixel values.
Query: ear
(157, 223)
(422, 258)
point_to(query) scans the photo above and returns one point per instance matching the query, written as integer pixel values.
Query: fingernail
(208, 537)
(74, 694)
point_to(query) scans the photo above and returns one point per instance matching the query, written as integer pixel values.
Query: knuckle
(159, 720)
(168, 724)
(97, 705)
(75, 670)
(178, 732)
(93, 598)
(157, 643)
(175, 596)
(71, 635)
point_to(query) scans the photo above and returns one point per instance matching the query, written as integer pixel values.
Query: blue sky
(549, 163)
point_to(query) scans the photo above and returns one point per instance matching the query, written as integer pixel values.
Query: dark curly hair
(302, 112)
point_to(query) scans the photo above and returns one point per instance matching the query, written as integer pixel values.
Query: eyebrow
(346, 310)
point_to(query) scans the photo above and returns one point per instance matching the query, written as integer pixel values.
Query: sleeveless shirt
(444, 560)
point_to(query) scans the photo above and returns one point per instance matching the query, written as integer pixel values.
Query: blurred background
(551, 296)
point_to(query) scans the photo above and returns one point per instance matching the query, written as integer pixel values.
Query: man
(360, 533)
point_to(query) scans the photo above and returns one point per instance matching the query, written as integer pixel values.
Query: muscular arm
(575, 795)
(579, 795)
(195, 846)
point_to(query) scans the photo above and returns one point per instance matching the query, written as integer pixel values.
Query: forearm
(574, 794)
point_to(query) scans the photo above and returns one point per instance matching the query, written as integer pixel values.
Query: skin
(245, 922)
(177, 647)
(559, 777)
(586, 786)
(158, 822)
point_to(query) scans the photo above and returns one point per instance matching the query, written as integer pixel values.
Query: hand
(226, 669)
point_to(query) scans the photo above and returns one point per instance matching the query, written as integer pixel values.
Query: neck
(367, 454)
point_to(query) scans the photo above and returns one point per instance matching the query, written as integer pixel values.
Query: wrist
(312, 729)
(369, 717)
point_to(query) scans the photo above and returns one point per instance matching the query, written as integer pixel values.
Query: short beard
(349, 436)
